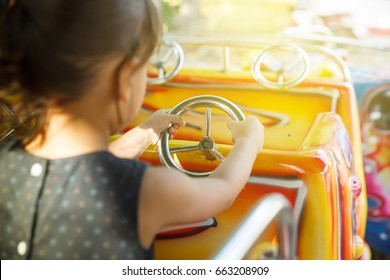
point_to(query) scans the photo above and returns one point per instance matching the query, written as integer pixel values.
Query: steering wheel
(206, 144)
(288, 65)
(168, 52)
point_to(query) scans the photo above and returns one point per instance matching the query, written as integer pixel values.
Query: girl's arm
(133, 143)
(169, 197)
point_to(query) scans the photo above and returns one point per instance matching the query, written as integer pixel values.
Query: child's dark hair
(56, 46)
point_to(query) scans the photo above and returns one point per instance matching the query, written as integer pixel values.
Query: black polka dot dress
(82, 207)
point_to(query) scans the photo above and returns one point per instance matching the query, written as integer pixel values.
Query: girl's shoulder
(106, 165)
(110, 162)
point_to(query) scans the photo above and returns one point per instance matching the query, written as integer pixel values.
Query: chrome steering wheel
(286, 65)
(166, 62)
(206, 144)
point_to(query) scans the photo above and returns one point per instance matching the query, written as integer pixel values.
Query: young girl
(66, 192)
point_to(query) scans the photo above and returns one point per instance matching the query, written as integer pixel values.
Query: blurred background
(361, 27)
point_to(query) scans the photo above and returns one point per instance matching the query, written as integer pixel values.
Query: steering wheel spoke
(167, 56)
(208, 121)
(217, 154)
(184, 149)
(160, 70)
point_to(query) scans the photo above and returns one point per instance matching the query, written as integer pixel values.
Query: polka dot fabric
(82, 207)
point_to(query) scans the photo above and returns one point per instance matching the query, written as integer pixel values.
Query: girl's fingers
(172, 130)
(176, 120)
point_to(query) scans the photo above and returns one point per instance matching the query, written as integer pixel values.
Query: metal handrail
(274, 208)
(227, 45)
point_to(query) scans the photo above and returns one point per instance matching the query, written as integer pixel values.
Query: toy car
(306, 198)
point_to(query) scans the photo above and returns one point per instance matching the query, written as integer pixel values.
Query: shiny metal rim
(302, 55)
(164, 76)
(206, 143)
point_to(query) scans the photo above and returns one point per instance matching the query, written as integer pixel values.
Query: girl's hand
(133, 143)
(159, 121)
(249, 129)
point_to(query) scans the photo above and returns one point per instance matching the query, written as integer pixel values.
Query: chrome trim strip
(287, 183)
(272, 208)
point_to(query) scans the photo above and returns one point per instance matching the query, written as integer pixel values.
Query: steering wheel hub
(206, 144)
